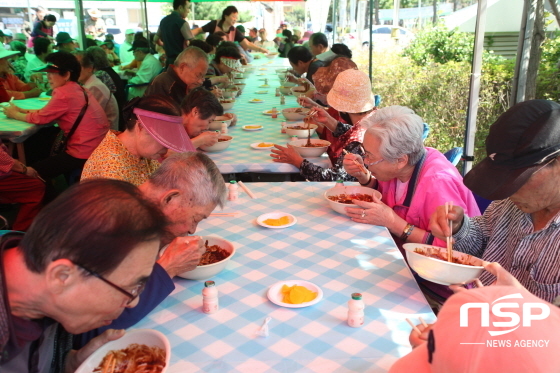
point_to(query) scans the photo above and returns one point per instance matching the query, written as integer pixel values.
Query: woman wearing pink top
(413, 180)
(68, 100)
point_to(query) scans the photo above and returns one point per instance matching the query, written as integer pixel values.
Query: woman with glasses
(85, 259)
(352, 99)
(413, 180)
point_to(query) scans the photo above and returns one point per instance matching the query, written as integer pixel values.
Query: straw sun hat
(351, 92)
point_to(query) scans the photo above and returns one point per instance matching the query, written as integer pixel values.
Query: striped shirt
(506, 235)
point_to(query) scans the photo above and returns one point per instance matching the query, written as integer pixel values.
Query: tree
(296, 16)
(212, 11)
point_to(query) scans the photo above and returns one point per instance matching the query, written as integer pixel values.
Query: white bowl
(240, 86)
(228, 105)
(271, 56)
(354, 189)
(275, 295)
(228, 93)
(216, 125)
(282, 76)
(286, 88)
(295, 113)
(440, 271)
(281, 71)
(297, 91)
(249, 69)
(302, 134)
(210, 270)
(239, 81)
(149, 337)
(219, 146)
(310, 152)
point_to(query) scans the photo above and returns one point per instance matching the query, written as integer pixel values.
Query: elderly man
(148, 70)
(302, 61)
(521, 228)
(125, 54)
(199, 109)
(184, 75)
(187, 187)
(318, 44)
(65, 43)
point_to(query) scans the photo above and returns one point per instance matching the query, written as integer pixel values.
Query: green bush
(440, 45)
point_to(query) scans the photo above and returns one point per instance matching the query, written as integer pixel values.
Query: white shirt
(125, 56)
(148, 70)
(33, 64)
(105, 98)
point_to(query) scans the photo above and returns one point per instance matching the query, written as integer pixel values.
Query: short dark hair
(66, 62)
(342, 50)
(216, 38)
(110, 37)
(178, 3)
(204, 100)
(227, 51)
(156, 103)
(91, 43)
(300, 53)
(287, 33)
(41, 45)
(50, 18)
(18, 46)
(229, 44)
(318, 38)
(96, 224)
(207, 48)
(228, 11)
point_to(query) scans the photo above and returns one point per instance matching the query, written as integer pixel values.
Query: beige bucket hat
(351, 92)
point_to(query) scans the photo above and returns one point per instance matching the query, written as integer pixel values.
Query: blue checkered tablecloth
(324, 248)
(239, 156)
(16, 130)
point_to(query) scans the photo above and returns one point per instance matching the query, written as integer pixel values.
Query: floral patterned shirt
(111, 160)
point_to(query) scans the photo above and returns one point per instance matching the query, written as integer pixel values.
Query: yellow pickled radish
(297, 294)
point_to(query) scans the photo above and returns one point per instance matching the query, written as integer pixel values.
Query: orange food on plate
(297, 294)
(277, 222)
(253, 127)
(265, 145)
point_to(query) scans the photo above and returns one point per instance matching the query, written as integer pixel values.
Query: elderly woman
(98, 89)
(81, 278)
(413, 181)
(15, 87)
(264, 42)
(153, 125)
(521, 228)
(76, 111)
(226, 60)
(351, 96)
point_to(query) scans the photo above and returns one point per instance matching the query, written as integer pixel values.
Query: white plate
(261, 92)
(266, 112)
(264, 86)
(275, 296)
(252, 129)
(256, 102)
(276, 215)
(148, 337)
(255, 145)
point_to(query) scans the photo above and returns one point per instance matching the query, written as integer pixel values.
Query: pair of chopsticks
(224, 214)
(414, 326)
(309, 116)
(360, 166)
(449, 239)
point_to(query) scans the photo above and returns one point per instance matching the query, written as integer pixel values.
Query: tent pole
(80, 23)
(145, 14)
(474, 89)
(334, 14)
(370, 40)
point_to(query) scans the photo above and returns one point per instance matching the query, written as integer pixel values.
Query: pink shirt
(64, 107)
(6, 162)
(438, 182)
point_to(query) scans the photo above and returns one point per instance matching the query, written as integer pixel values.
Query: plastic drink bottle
(356, 311)
(210, 297)
(233, 192)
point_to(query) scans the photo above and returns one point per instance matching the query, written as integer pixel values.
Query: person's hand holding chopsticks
(439, 221)
(419, 333)
(354, 166)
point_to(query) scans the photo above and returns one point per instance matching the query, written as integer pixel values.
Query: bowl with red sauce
(214, 260)
(340, 197)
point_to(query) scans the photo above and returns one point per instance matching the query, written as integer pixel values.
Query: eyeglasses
(132, 295)
(370, 156)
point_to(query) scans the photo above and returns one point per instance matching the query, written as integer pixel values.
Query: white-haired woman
(413, 180)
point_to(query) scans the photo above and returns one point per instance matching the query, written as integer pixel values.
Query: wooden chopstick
(449, 239)
(413, 326)
(360, 166)
(246, 189)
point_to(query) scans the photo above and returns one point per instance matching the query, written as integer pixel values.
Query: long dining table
(240, 156)
(15, 130)
(323, 247)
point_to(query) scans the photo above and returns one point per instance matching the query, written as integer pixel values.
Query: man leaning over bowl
(521, 227)
(84, 260)
(187, 187)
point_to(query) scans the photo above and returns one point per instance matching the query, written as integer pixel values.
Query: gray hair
(193, 173)
(191, 56)
(399, 131)
(99, 57)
